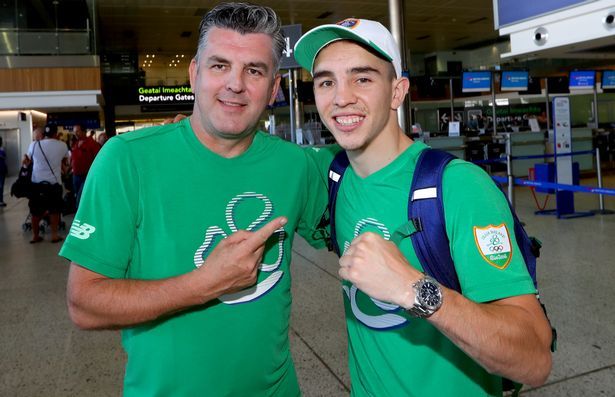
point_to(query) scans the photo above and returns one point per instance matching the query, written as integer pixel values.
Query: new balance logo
(82, 231)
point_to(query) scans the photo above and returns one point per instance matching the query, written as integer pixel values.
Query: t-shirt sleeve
(102, 236)
(314, 224)
(480, 227)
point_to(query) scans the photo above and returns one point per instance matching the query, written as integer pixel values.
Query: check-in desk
(526, 144)
(455, 145)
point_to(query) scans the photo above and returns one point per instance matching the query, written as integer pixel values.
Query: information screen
(608, 79)
(514, 80)
(508, 12)
(476, 81)
(582, 80)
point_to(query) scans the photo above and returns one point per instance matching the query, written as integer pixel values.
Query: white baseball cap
(370, 33)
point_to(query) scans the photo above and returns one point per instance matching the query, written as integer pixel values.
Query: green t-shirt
(155, 203)
(391, 353)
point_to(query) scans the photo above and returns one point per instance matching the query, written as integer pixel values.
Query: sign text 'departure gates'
(165, 95)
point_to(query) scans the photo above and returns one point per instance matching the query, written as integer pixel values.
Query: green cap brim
(310, 44)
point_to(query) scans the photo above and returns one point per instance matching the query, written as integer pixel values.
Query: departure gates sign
(165, 95)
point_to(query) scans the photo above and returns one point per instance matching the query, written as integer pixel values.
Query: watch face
(429, 294)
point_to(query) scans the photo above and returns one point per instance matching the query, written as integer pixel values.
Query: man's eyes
(255, 72)
(325, 83)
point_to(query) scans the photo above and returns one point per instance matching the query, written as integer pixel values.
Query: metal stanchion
(602, 210)
(509, 171)
(291, 105)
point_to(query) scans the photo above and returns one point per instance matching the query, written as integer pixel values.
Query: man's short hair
(50, 130)
(243, 18)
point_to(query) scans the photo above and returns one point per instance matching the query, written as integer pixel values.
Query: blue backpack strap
(529, 246)
(426, 211)
(336, 173)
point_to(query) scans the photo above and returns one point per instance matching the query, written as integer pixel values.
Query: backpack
(427, 228)
(22, 187)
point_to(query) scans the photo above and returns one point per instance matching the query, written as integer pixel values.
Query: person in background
(407, 334)
(48, 155)
(3, 172)
(38, 134)
(83, 151)
(184, 235)
(102, 138)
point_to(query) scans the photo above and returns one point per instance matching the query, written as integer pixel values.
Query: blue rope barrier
(551, 185)
(537, 156)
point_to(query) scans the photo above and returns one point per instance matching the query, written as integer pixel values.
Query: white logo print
(214, 233)
(82, 231)
(383, 321)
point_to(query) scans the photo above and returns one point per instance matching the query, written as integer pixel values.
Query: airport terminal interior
(485, 80)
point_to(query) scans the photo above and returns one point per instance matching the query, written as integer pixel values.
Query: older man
(184, 235)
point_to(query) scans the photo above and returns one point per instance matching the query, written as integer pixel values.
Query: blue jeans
(2, 176)
(78, 181)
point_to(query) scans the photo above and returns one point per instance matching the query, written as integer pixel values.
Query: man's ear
(400, 90)
(275, 88)
(193, 70)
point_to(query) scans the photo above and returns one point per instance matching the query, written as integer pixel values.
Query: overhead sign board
(550, 28)
(582, 79)
(513, 80)
(165, 95)
(608, 79)
(292, 33)
(507, 12)
(475, 81)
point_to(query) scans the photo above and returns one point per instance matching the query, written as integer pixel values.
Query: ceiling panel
(157, 25)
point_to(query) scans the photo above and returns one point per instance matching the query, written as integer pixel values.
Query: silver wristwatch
(427, 298)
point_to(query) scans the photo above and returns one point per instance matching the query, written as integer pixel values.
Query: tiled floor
(42, 354)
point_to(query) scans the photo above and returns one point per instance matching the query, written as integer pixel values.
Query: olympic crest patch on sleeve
(494, 244)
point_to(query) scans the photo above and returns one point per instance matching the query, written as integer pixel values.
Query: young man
(461, 344)
(183, 237)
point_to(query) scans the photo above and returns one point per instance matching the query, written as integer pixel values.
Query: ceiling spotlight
(153, 56)
(147, 56)
(182, 55)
